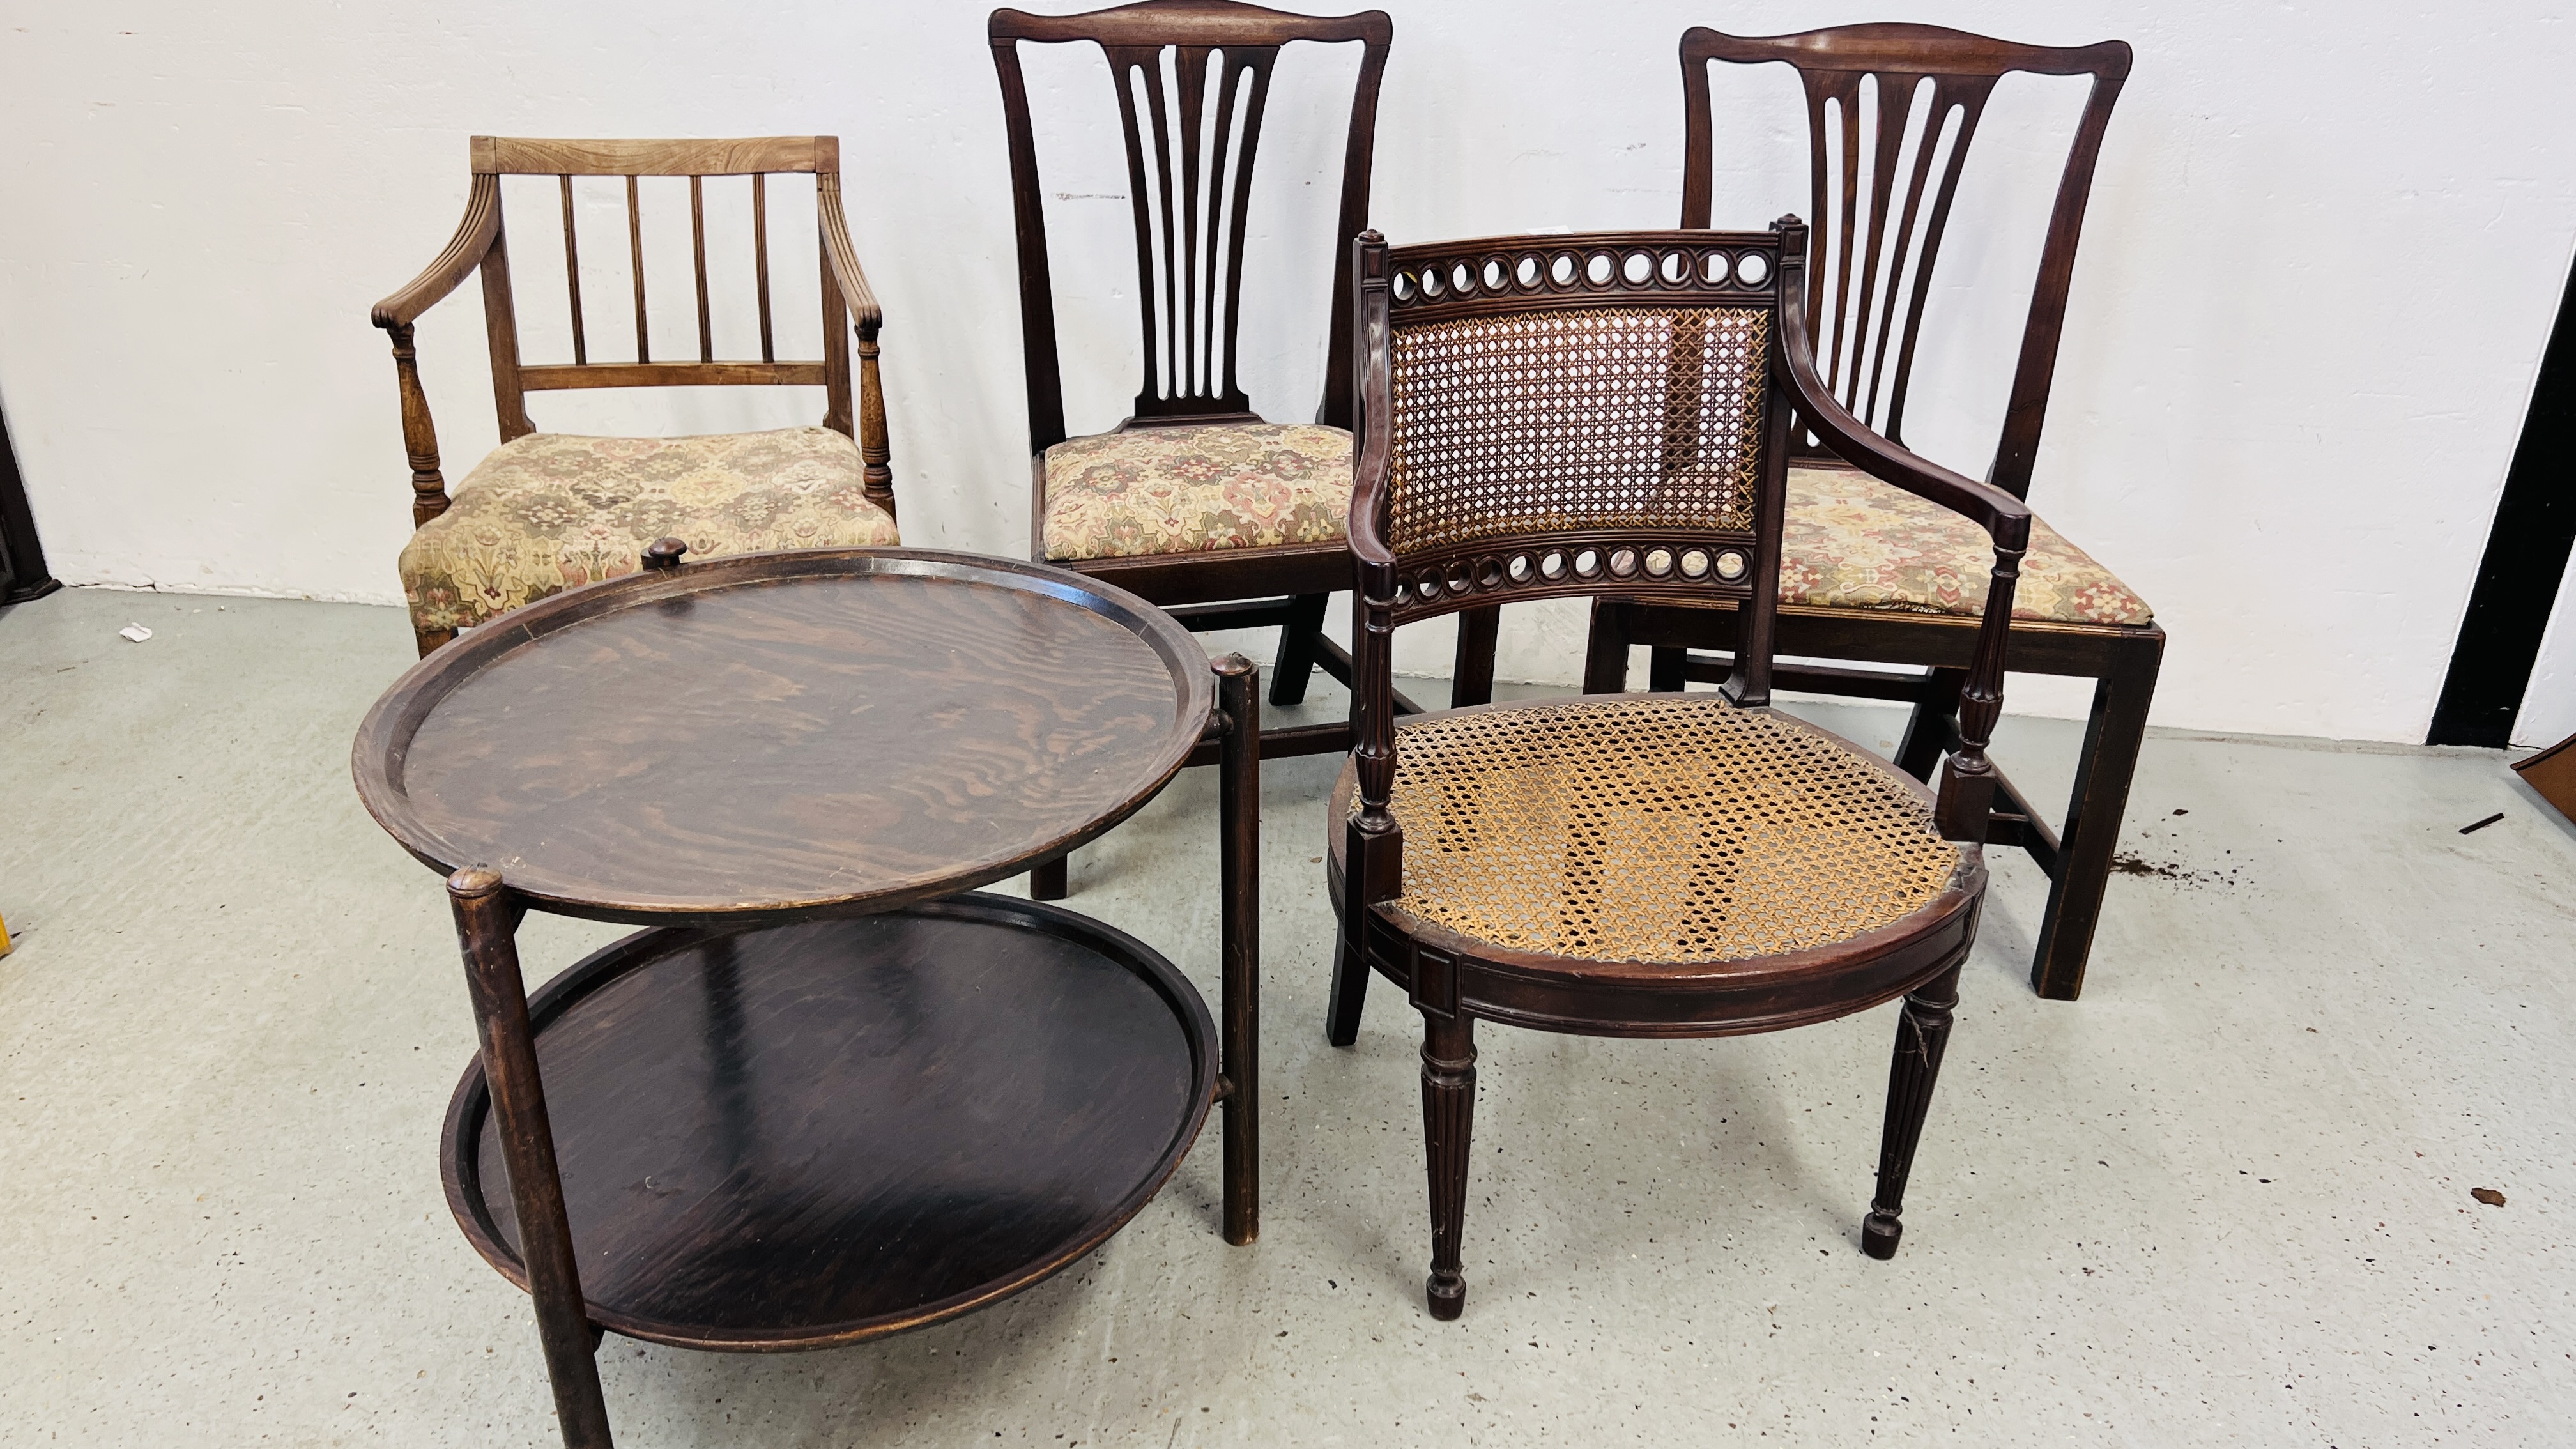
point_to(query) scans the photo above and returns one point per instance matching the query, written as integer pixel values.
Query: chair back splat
(1190, 152)
(1871, 272)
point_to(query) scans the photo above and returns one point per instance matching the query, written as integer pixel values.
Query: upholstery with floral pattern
(549, 511)
(1197, 488)
(1853, 542)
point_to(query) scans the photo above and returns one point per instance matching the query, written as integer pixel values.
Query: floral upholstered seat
(1853, 542)
(1196, 489)
(549, 511)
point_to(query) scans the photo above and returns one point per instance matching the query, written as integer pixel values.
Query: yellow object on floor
(4, 936)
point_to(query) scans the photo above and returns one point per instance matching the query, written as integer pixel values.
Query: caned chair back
(1594, 414)
(1884, 176)
(1190, 152)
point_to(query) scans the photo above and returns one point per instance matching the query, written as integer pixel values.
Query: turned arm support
(1374, 857)
(473, 241)
(867, 317)
(1967, 782)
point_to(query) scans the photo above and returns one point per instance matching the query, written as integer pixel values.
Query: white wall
(2548, 712)
(2315, 281)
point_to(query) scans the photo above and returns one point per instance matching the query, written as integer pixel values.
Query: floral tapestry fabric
(1196, 489)
(1853, 542)
(549, 511)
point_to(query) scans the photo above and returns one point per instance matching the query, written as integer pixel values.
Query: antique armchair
(546, 511)
(1870, 574)
(1195, 501)
(1609, 415)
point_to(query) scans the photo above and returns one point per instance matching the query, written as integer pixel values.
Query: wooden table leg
(486, 922)
(1051, 880)
(1238, 686)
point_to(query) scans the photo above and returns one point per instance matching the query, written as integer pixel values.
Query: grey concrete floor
(2222, 1200)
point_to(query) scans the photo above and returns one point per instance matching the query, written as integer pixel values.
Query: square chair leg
(1300, 641)
(2103, 771)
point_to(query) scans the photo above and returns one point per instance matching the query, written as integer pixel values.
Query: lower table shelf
(807, 1135)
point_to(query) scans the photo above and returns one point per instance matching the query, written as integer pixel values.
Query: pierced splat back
(1191, 143)
(1875, 243)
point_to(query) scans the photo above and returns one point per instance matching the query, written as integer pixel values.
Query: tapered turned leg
(1048, 882)
(1297, 651)
(485, 921)
(1448, 1111)
(1921, 1034)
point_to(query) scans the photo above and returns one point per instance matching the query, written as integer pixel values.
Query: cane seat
(1654, 829)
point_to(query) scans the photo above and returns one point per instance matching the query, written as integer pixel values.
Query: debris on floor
(135, 632)
(2131, 863)
(2487, 1195)
(2474, 826)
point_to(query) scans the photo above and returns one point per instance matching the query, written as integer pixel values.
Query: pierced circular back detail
(1585, 418)
(1656, 829)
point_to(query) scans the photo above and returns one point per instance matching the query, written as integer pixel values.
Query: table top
(831, 729)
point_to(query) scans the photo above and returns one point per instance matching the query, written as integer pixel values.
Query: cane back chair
(1609, 414)
(546, 511)
(1195, 501)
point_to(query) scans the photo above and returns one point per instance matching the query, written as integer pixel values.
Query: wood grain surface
(785, 731)
(811, 1134)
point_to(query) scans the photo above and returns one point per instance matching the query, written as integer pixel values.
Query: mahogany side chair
(546, 511)
(1609, 415)
(1195, 501)
(1871, 575)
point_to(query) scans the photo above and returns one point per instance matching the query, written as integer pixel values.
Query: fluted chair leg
(1448, 1113)
(1922, 1032)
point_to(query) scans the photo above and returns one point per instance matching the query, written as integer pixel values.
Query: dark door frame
(23, 575)
(2527, 550)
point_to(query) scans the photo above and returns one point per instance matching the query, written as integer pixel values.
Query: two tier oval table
(832, 1093)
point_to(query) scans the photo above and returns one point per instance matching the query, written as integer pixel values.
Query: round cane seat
(1654, 829)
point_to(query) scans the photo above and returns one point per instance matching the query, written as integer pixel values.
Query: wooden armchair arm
(844, 258)
(1373, 404)
(465, 251)
(1966, 799)
(2005, 518)
(861, 300)
(475, 237)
